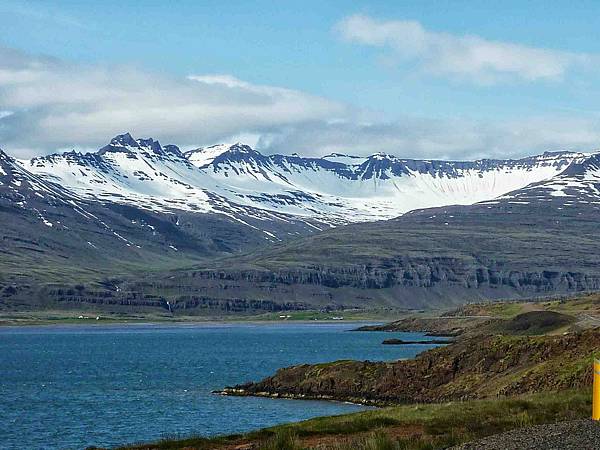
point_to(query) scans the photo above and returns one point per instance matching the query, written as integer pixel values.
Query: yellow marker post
(596, 393)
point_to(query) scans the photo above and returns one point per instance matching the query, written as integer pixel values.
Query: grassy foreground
(427, 426)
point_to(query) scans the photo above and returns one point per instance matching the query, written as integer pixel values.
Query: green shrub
(380, 441)
(284, 439)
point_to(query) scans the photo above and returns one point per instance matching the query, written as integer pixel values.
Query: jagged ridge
(240, 181)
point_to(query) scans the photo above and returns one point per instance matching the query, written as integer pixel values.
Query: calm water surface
(74, 386)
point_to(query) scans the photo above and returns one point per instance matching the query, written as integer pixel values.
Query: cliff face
(472, 368)
(408, 283)
(80, 297)
(421, 273)
(404, 282)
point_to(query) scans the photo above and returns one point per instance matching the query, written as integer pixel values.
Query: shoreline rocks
(402, 342)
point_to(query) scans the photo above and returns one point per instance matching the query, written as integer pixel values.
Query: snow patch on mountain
(579, 183)
(242, 183)
(349, 160)
(203, 156)
(138, 172)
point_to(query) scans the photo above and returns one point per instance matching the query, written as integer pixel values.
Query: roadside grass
(423, 426)
(284, 439)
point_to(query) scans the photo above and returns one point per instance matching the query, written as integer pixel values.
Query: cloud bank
(428, 138)
(48, 105)
(467, 57)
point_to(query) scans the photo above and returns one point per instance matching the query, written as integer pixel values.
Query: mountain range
(140, 225)
(239, 181)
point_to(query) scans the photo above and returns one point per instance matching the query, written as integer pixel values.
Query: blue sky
(403, 77)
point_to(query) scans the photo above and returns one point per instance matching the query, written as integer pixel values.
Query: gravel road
(576, 435)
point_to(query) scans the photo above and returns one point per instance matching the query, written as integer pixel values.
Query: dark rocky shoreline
(237, 392)
(402, 342)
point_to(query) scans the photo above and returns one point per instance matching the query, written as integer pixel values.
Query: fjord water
(74, 386)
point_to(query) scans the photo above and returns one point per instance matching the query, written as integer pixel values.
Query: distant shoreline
(174, 323)
(89, 318)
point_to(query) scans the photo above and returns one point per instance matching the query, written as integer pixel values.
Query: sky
(420, 79)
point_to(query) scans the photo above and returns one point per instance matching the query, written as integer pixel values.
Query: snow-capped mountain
(577, 185)
(139, 172)
(47, 224)
(26, 190)
(345, 188)
(138, 207)
(581, 180)
(240, 182)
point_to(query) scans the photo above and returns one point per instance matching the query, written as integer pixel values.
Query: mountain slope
(164, 225)
(578, 184)
(531, 242)
(52, 236)
(344, 188)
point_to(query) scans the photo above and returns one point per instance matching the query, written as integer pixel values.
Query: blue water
(74, 386)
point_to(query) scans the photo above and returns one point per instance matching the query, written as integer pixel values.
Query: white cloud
(46, 104)
(56, 105)
(461, 139)
(467, 57)
(224, 79)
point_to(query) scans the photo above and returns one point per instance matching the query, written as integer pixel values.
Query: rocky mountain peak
(125, 143)
(238, 147)
(122, 143)
(123, 140)
(203, 156)
(152, 144)
(380, 155)
(238, 152)
(173, 150)
(588, 166)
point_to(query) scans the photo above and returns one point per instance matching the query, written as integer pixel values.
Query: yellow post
(596, 394)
